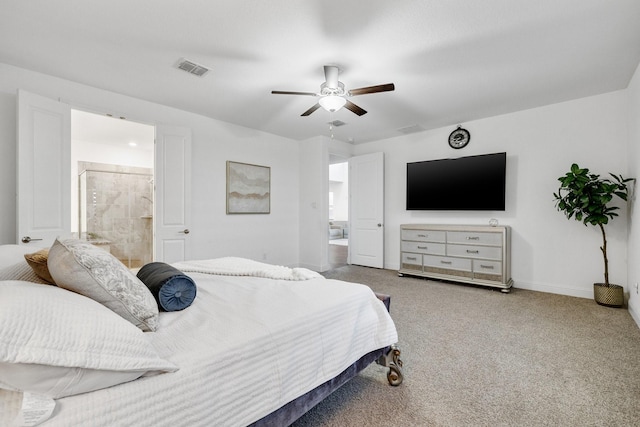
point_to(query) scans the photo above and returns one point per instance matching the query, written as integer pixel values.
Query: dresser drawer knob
(422, 247)
(473, 238)
(490, 267)
(445, 262)
(469, 251)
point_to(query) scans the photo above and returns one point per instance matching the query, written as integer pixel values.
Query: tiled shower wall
(116, 210)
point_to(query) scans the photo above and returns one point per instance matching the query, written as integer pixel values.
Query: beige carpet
(476, 357)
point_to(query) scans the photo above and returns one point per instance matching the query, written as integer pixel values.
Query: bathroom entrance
(114, 185)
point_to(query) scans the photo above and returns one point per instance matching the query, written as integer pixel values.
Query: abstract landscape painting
(248, 188)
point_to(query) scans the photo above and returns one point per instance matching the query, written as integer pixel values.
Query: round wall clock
(459, 138)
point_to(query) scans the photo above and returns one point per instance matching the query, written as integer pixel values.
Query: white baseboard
(554, 289)
(634, 315)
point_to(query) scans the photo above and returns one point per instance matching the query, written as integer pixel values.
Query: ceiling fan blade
(286, 92)
(372, 89)
(354, 108)
(331, 76)
(310, 110)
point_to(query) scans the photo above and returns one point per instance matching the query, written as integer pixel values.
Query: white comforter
(234, 266)
(245, 347)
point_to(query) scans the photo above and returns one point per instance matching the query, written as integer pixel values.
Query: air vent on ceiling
(336, 123)
(192, 68)
(411, 129)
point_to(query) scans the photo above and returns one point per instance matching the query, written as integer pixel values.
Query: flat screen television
(473, 183)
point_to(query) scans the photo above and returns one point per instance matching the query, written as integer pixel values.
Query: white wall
(273, 237)
(549, 253)
(7, 167)
(314, 203)
(633, 126)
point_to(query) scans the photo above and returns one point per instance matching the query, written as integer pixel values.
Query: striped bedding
(245, 347)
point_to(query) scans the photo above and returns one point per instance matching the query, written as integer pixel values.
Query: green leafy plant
(586, 197)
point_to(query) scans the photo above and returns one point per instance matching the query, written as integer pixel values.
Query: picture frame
(248, 188)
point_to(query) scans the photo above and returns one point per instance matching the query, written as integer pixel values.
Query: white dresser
(464, 253)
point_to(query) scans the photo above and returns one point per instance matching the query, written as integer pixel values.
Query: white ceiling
(99, 129)
(451, 61)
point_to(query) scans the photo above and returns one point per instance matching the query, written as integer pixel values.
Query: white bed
(243, 349)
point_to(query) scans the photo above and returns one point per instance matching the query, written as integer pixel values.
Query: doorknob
(185, 231)
(379, 225)
(27, 239)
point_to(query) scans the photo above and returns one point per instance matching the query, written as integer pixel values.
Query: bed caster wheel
(394, 376)
(391, 360)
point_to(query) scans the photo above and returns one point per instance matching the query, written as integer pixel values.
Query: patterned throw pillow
(90, 271)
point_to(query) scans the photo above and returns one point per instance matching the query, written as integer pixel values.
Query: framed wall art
(248, 188)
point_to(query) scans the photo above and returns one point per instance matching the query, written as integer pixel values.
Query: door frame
(343, 159)
(63, 203)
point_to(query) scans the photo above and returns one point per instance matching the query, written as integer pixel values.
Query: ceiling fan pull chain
(331, 123)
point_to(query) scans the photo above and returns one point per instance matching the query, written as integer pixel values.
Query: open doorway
(338, 212)
(112, 194)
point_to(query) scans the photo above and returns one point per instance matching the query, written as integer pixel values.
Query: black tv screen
(474, 183)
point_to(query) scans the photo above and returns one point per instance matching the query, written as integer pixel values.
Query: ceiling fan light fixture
(332, 102)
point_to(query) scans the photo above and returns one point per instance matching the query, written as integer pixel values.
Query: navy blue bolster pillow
(172, 289)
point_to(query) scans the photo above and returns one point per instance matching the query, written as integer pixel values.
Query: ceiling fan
(333, 95)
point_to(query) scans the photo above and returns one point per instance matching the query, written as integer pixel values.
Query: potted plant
(586, 197)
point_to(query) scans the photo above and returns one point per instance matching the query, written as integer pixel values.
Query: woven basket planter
(610, 296)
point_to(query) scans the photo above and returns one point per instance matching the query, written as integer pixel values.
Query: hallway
(338, 249)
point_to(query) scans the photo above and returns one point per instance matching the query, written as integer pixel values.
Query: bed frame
(388, 357)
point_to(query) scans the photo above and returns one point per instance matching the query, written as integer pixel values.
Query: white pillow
(11, 254)
(57, 343)
(88, 270)
(21, 270)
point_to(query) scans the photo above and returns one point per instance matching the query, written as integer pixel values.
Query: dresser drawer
(411, 261)
(423, 235)
(423, 247)
(474, 238)
(484, 252)
(487, 267)
(447, 262)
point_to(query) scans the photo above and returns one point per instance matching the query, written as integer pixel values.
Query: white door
(44, 170)
(366, 210)
(172, 194)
